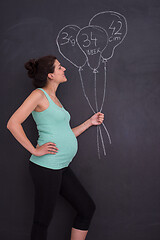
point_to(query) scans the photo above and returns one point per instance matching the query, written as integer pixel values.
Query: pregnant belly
(66, 142)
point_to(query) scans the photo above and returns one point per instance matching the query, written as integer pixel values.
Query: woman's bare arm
(82, 127)
(96, 119)
(20, 115)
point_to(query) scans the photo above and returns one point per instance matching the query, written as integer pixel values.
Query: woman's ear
(50, 75)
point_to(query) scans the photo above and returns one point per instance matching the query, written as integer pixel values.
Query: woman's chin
(64, 79)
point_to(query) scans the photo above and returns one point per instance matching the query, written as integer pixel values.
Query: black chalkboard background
(124, 184)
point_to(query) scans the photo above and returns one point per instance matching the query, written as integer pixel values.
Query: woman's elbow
(10, 123)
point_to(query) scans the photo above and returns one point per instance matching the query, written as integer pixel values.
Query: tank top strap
(48, 97)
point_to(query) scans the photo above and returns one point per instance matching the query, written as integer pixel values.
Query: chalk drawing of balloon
(116, 26)
(68, 47)
(92, 40)
(93, 44)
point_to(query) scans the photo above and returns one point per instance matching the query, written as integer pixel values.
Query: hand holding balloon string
(97, 118)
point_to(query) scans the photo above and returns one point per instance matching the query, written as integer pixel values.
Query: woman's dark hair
(38, 69)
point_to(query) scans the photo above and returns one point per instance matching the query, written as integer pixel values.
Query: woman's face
(58, 74)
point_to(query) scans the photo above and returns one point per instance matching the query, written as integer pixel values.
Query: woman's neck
(51, 90)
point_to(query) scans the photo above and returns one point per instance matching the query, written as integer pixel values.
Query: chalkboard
(111, 51)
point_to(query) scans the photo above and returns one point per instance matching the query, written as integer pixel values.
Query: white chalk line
(80, 69)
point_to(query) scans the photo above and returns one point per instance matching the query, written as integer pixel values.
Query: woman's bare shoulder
(37, 92)
(29, 104)
(37, 95)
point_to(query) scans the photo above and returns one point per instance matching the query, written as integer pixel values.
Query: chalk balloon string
(98, 127)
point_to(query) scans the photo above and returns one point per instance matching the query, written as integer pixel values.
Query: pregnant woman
(56, 147)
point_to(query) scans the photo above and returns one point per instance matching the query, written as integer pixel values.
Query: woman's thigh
(47, 185)
(74, 192)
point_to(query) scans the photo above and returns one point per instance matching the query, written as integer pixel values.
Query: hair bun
(31, 66)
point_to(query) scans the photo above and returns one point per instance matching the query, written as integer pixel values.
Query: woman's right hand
(47, 148)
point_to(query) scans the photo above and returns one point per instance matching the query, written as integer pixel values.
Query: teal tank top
(53, 126)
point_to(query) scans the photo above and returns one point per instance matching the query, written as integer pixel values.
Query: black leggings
(48, 183)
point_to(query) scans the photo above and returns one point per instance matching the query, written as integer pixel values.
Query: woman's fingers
(101, 118)
(50, 143)
(101, 115)
(51, 148)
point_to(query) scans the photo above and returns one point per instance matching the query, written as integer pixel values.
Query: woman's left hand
(97, 118)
